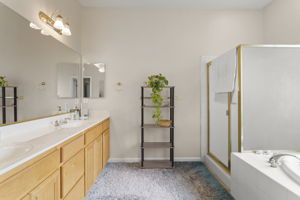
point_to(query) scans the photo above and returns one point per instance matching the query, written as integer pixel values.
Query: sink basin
(72, 124)
(13, 150)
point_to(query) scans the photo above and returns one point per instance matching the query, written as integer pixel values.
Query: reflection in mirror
(93, 80)
(67, 80)
(33, 63)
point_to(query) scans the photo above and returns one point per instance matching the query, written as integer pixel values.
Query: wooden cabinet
(93, 156)
(98, 164)
(66, 172)
(71, 172)
(93, 133)
(71, 148)
(20, 184)
(93, 162)
(106, 147)
(77, 193)
(27, 197)
(89, 166)
(48, 189)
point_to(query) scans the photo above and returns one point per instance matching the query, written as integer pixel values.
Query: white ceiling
(205, 4)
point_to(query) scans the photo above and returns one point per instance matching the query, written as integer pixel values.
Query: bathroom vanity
(62, 164)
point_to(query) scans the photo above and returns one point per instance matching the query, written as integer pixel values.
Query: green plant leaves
(157, 83)
(3, 82)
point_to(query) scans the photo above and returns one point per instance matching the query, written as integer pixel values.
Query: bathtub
(291, 166)
(254, 179)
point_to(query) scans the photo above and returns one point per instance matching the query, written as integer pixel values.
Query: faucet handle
(55, 123)
(273, 163)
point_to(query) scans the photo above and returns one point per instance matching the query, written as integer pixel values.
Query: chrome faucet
(274, 160)
(76, 111)
(56, 123)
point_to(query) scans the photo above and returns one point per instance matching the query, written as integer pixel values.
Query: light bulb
(102, 69)
(34, 26)
(66, 30)
(59, 24)
(43, 32)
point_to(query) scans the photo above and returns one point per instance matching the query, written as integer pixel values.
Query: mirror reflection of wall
(93, 80)
(30, 61)
(67, 80)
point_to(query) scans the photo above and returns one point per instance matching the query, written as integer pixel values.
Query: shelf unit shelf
(4, 105)
(162, 145)
(148, 106)
(150, 97)
(159, 164)
(157, 145)
(155, 126)
(164, 87)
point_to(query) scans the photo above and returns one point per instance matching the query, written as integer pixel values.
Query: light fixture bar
(51, 22)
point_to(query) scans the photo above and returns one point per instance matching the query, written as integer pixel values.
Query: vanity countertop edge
(66, 134)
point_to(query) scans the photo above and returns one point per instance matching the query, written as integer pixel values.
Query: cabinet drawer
(71, 172)
(77, 193)
(70, 149)
(93, 133)
(106, 124)
(20, 184)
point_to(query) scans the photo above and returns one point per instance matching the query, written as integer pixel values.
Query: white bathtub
(291, 166)
(254, 179)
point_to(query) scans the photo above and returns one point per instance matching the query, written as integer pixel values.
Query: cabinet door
(47, 190)
(71, 172)
(27, 197)
(89, 166)
(106, 147)
(98, 156)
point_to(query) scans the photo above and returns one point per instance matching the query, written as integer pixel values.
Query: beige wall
(135, 43)
(282, 22)
(70, 9)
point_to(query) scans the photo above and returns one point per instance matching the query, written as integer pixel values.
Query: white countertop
(40, 140)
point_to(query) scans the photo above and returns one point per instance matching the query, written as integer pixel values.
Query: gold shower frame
(239, 50)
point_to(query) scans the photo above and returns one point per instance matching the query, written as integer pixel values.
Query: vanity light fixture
(101, 67)
(56, 22)
(34, 26)
(43, 32)
(66, 30)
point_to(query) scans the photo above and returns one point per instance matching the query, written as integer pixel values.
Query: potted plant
(3, 82)
(157, 83)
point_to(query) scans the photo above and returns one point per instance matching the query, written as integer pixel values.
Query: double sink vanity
(42, 161)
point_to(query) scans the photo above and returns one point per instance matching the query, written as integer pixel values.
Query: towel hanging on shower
(224, 69)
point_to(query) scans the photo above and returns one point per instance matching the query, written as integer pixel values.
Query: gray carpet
(187, 181)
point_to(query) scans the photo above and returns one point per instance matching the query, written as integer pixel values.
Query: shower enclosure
(253, 101)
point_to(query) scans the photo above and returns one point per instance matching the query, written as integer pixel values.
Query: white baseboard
(177, 159)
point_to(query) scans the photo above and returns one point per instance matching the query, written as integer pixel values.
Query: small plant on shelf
(157, 83)
(3, 82)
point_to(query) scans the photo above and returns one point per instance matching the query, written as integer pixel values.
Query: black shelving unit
(148, 145)
(5, 104)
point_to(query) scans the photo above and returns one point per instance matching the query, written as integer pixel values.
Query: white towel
(224, 69)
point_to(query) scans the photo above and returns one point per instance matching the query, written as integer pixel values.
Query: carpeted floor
(187, 181)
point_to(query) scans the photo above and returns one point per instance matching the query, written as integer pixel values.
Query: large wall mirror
(40, 71)
(93, 80)
(68, 78)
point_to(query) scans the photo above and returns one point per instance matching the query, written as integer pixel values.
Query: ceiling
(205, 4)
